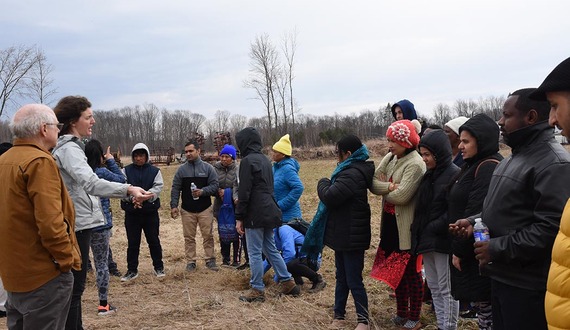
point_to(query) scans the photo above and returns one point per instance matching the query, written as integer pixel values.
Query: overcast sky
(351, 55)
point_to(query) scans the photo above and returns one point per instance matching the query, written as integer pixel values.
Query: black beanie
(349, 143)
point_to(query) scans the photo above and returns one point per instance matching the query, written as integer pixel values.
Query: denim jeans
(261, 240)
(349, 266)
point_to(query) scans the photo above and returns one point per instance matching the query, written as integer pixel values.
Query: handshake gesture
(138, 195)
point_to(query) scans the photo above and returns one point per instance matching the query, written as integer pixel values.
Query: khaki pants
(190, 221)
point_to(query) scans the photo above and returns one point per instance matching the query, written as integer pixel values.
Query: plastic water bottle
(480, 231)
(193, 187)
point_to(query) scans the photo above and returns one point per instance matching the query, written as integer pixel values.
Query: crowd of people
(435, 183)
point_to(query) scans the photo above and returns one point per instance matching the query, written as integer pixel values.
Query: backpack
(299, 225)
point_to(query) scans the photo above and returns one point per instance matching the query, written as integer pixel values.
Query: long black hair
(94, 153)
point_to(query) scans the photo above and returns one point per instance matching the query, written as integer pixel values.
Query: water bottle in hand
(480, 231)
(193, 187)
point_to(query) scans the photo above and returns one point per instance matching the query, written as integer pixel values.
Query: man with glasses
(39, 220)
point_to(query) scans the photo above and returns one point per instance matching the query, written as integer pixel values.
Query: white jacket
(82, 182)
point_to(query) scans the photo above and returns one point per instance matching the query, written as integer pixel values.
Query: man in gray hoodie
(143, 217)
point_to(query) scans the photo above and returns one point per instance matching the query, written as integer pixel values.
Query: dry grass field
(209, 300)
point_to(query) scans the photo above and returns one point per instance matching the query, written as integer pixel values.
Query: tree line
(25, 74)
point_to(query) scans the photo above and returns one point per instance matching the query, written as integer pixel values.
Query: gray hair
(28, 120)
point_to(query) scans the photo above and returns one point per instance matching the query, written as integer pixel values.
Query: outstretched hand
(139, 194)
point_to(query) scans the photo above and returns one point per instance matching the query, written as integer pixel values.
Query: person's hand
(139, 194)
(482, 252)
(456, 261)
(462, 228)
(174, 212)
(382, 177)
(221, 193)
(239, 227)
(197, 192)
(108, 155)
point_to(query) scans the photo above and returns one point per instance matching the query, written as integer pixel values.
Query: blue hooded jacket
(407, 109)
(288, 188)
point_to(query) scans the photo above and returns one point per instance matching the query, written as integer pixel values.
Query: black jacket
(526, 197)
(256, 206)
(430, 226)
(346, 199)
(465, 198)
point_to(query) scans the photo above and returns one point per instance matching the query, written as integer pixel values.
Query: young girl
(430, 236)
(397, 180)
(100, 235)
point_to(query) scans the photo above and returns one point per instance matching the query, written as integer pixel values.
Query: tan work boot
(289, 287)
(253, 295)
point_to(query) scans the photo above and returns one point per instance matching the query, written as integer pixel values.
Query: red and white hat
(405, 133)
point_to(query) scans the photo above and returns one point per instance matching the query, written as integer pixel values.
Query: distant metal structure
(218, 140)
(162, 156)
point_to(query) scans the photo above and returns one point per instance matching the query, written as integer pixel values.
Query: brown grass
(209, 300)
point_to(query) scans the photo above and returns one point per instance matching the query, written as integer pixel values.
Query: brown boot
(289, 287)
(253, 295)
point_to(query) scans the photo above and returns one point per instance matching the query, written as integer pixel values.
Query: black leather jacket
(523, 207)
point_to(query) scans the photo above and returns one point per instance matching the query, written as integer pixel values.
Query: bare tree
(220, 122)
(442, 114)
(237, 122)
(15, 66)
(289, 49)
(467, 108)
(263, 70)
(40, 86)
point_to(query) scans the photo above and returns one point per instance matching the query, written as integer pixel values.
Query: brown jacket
(37, 219)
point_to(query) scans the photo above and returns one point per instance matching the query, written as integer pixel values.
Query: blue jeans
(260, 240)
(349, 266)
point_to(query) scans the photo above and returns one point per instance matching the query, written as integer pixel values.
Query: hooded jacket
(147, 177)
(407, 109)
(288, 187)
(524, 205)
(465, 198)
(82, 183)
(227, 178)
(256, 206)
(430, 227)
(37, 219)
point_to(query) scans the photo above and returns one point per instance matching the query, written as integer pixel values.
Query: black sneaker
(159, 273)
(191, 267)
(318, 285)
(115, 272)
(2, 314)
(211, 265)
(244, 266)
(129, 276)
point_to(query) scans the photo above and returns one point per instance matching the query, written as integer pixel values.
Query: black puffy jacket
(430, 226)
(346, 199)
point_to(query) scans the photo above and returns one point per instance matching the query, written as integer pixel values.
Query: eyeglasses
(59, 125)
